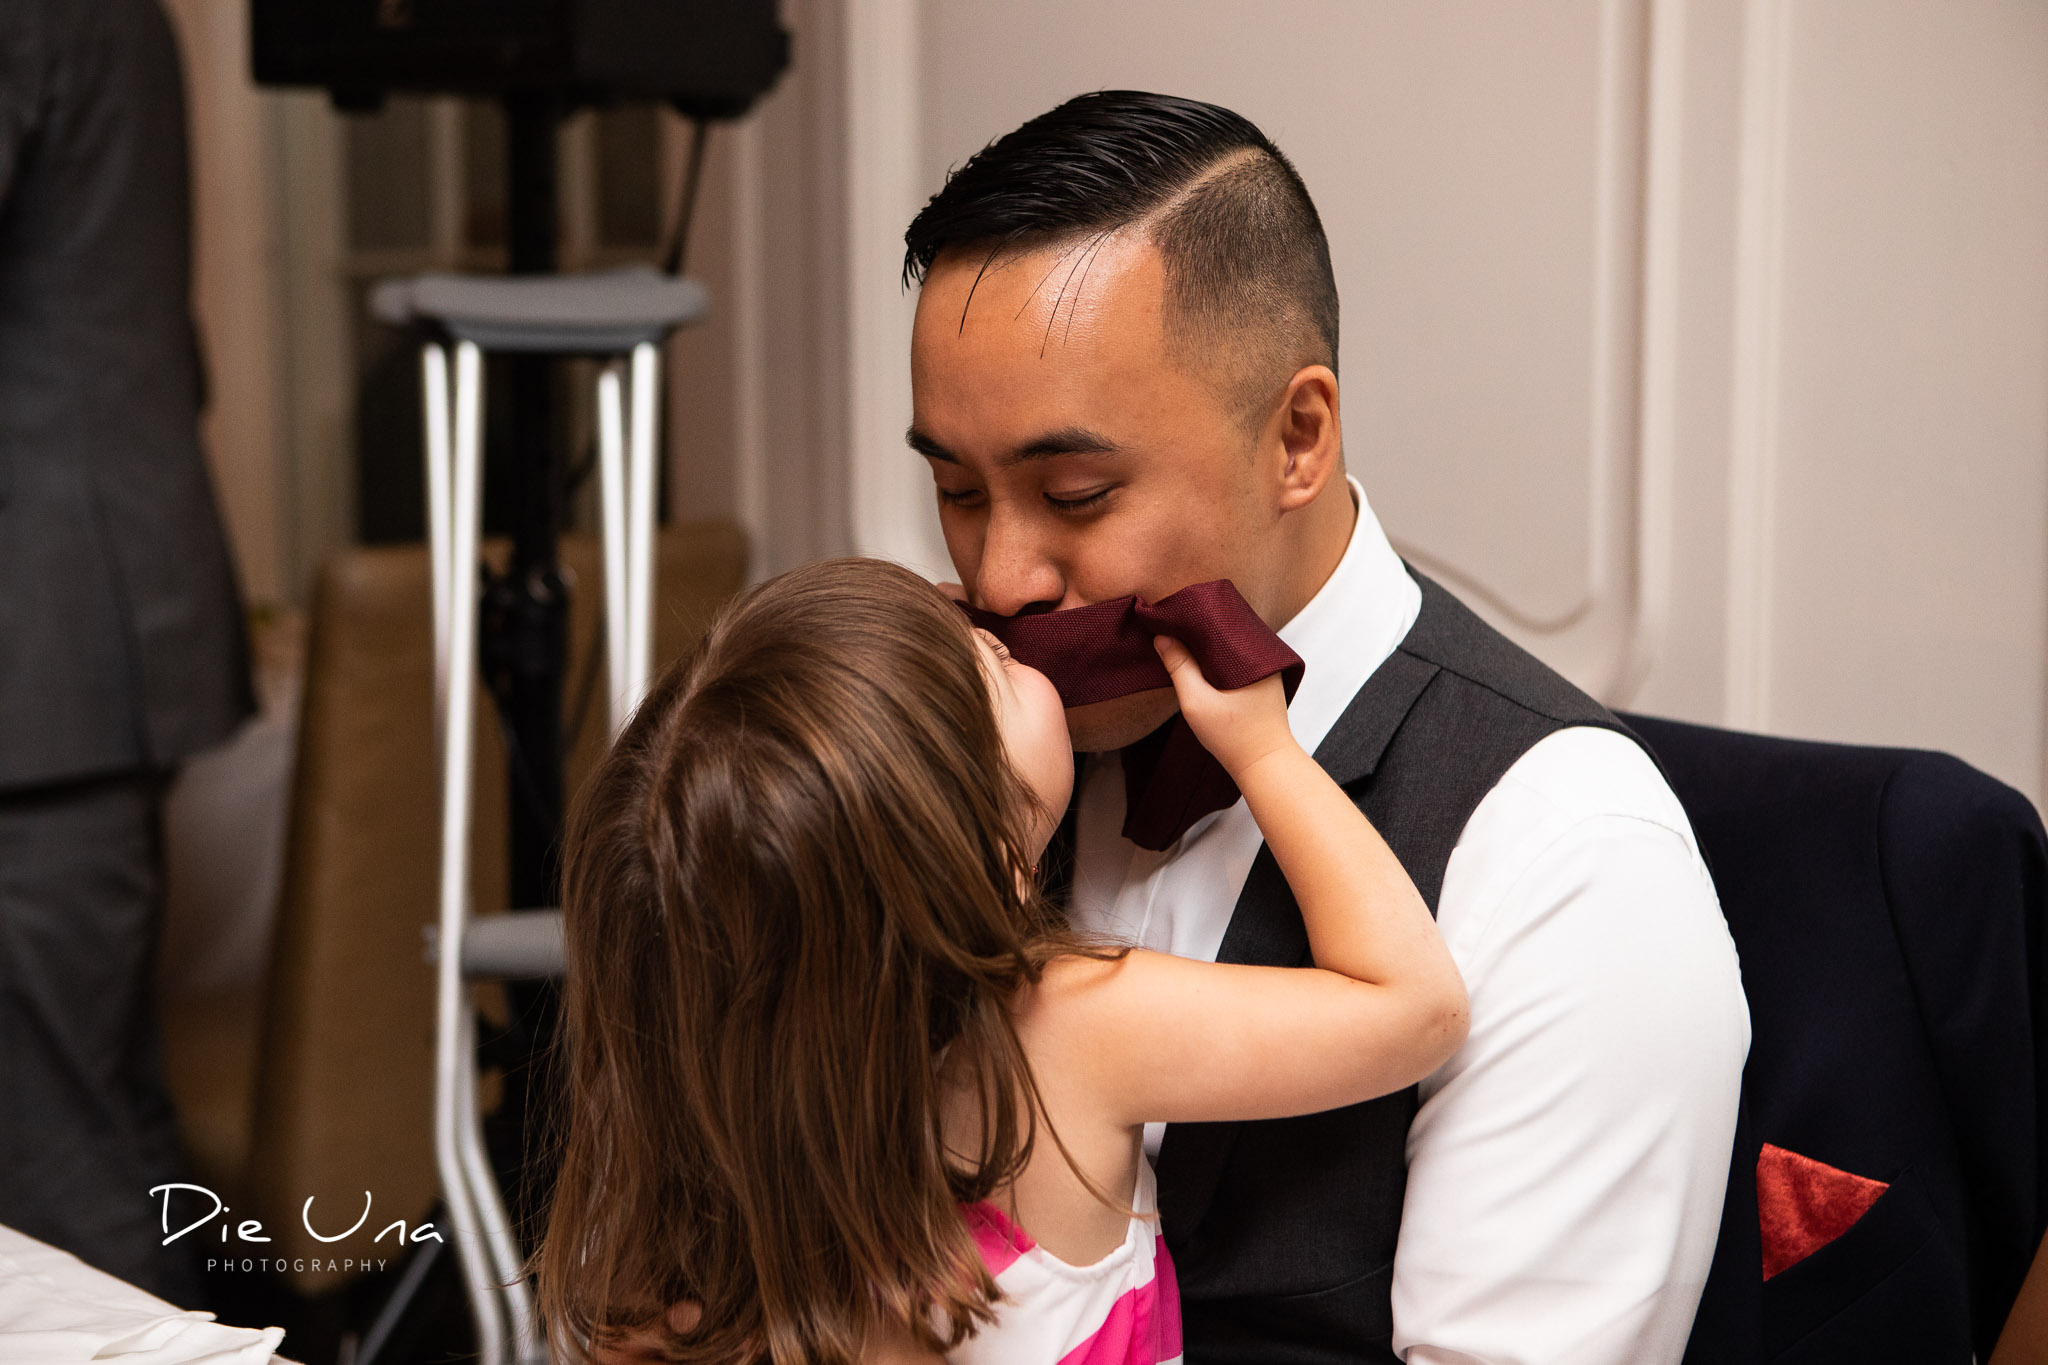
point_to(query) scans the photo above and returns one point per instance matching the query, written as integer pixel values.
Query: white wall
(1703, 344)
(1905, 596)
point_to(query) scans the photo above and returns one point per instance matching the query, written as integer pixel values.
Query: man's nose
(1015, 574)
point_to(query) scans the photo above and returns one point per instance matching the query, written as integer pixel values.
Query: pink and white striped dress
(1122, 1310)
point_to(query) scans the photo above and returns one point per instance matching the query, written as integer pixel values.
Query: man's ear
(1309, 436)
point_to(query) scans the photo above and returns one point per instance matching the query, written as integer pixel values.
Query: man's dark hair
(1249, 291)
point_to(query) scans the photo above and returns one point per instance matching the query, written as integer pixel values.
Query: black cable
(497, 679)
(679, 244)
(525, 782)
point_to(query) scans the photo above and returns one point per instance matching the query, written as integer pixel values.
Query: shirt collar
(1351, 626)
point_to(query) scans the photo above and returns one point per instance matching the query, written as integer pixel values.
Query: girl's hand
(1238, 727)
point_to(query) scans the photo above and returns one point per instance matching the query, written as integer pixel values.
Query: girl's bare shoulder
(1067, 984)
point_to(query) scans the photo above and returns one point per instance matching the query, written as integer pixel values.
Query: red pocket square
(1803, 1204)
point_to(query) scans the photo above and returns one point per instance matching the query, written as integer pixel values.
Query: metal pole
(527, 635)
(641, 510)
(530, 616)
(455, 1021)
(434, 395)
(618, 597)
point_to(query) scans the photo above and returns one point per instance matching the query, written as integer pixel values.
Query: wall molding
(1757, 364)
(893, 512)
(1633, 366)
(1656, 432)
(1609, 364)
(1612, 297)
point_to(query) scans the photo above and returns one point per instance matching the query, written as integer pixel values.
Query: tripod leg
(403, 1295)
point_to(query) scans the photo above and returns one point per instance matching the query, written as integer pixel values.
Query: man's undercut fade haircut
(1250, 296)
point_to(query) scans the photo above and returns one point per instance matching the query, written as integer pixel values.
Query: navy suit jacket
(1888, 909)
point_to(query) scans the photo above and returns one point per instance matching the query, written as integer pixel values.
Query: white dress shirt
(1566, 1167)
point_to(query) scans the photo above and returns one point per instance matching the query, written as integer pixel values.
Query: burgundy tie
(1104, 650)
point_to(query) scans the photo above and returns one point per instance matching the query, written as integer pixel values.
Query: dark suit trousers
(86, 1124)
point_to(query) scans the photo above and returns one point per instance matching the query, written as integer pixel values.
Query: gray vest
(1283, 1230)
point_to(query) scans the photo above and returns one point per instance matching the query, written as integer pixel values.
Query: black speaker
(710, 58)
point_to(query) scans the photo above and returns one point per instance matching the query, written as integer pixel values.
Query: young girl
(838, 1079)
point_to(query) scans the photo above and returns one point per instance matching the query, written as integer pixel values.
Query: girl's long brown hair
(794, 884)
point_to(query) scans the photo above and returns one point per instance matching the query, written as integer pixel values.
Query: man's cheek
(963, 542)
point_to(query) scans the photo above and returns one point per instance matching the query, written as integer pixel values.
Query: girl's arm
(1160, 1038)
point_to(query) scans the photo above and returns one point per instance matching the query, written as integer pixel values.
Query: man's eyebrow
(927, 447)
(1063, 441)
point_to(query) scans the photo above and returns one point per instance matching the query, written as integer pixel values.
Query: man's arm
(1567, 1166)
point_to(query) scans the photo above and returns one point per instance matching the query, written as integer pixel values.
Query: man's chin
(1105, 725)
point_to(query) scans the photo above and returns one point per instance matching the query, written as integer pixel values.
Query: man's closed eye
(1080, 504)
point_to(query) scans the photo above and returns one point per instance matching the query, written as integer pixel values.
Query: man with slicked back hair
(1124, 368)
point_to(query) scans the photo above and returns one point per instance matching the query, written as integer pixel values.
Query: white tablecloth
(54, 1307)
